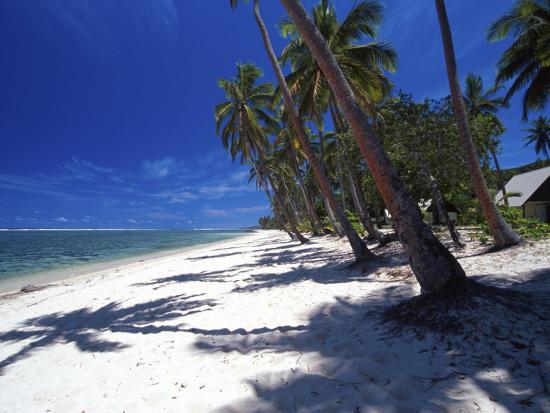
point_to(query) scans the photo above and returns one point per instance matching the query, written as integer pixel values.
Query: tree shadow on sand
(83, 327)
(347, 358)
(265, 274)
(203, 276)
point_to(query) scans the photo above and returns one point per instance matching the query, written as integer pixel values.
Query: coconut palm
(480, 100)
(502, 233)
(288, 150)
(362, 64)
(360, 250)
(433, 265)
(527, 60)
(539, 134)
(243, 119)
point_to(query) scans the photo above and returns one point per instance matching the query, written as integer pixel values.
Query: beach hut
(433, 216)
(530, 191)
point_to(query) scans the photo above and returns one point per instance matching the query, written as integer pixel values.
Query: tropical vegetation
(527, 61)
(387, 154)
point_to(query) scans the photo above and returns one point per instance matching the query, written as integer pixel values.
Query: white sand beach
(263, 324)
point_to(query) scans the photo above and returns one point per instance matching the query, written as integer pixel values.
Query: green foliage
(363, 62)
(539, 134)
(305, 226)
(354, 219)
(526, 61)
(528, 228)
(268, 222)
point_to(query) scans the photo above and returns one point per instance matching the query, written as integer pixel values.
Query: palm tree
(242, 121)
(359, 248)
(527, 60)
(362, 64)
(478, 100)
(434, 266)
(289, 151)
(502, 233)
(539, 134)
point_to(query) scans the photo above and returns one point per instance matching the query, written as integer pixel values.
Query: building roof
(526, 184)
(429, 205)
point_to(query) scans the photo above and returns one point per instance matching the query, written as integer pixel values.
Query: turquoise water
(27, 252)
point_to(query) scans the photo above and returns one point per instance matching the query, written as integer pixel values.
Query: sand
(263, 324)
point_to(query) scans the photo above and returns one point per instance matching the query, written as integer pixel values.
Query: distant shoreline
(11, 285)
(130, 229)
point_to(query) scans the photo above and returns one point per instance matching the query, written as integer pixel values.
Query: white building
(534, 194)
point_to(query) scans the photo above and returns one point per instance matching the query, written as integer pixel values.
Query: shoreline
(45, 279)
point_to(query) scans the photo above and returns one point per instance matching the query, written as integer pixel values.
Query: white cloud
(85, 170)
(161, 168)
(240, 176)
(166, 216)
(61, 219)
(181, 196)
(220, 190)
(212, 212)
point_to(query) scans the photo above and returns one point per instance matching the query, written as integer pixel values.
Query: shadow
(204, 276)
(346, 358)
(83, 327)
(203, 257)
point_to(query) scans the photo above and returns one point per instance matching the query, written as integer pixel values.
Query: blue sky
(106, 107)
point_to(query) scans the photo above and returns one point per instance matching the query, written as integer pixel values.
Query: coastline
(42, 279)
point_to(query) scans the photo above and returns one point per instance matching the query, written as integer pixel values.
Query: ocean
(27, 252)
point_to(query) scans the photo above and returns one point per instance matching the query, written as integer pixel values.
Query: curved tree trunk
(287, 214)
(434, 266)
(279, 204)
(290, 200)
(502, 233)
(355, 188)
(500, 177)
(330, 213)
(314, 219)
(361, 206)
(442, 209)
(315, 223)
(359, 248)
(276, 209)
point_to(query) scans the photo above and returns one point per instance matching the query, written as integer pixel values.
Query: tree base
(464, 308)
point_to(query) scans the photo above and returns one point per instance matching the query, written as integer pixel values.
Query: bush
(528, 228)
(355, 223)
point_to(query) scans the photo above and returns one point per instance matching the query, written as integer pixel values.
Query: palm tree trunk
(355, 189)
(502, 233)
(276, 209)
(315, 223)
(340, 173)
(330, 213)
(279, 204)
(287, 213)
(442, 209)
(290, 200)
(500, 176)
(359, 248)
(434, 266)
(313, 218)
(361, 206)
